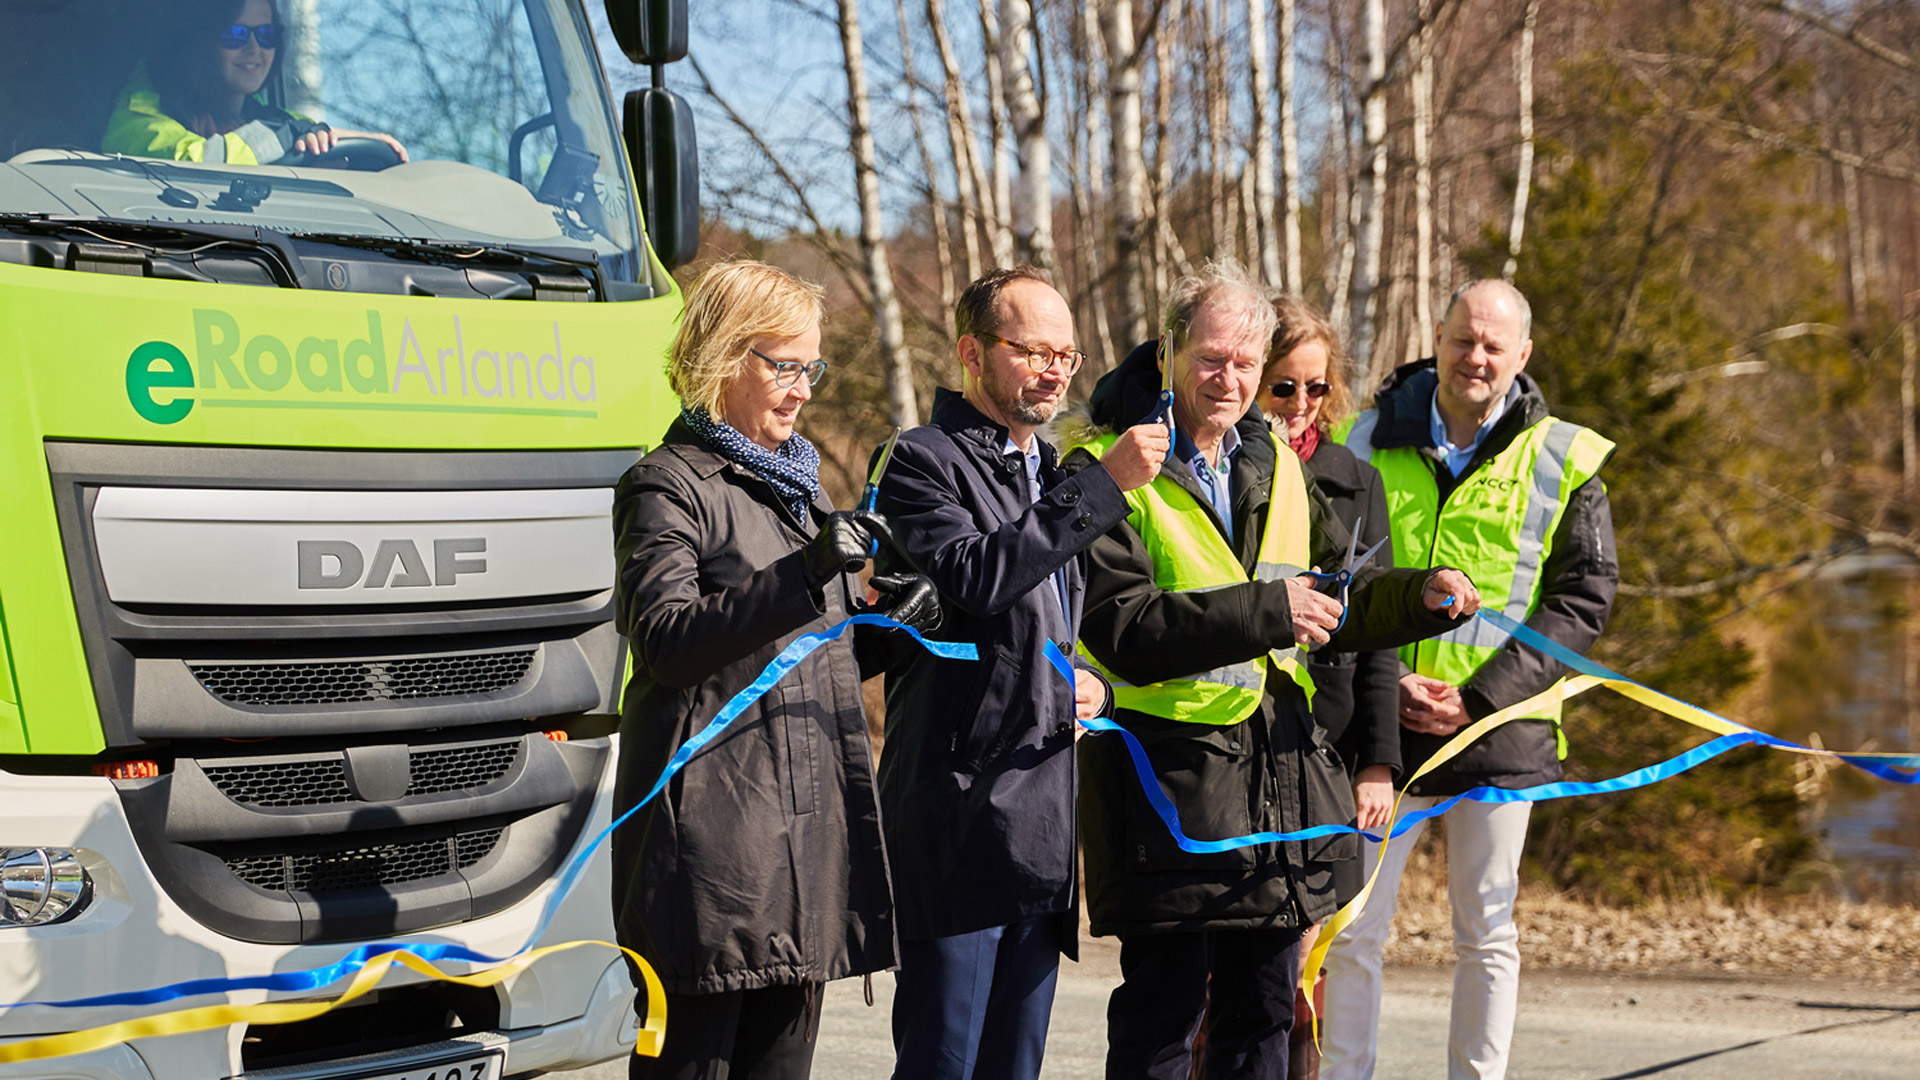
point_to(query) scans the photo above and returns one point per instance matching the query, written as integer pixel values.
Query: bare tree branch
(849, 271)
(1848, 34)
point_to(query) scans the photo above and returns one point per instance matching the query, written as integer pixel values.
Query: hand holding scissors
(1163, 411)
(870, 498)
(1338, 583)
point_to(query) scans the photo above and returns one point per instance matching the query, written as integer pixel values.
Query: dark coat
(762, 863)
(1356, 696)
(1579, 579)
(977, 774)
(1274, 770)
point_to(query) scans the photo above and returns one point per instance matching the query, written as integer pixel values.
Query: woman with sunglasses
(760, 872)
(197, 98)
(1356, 698)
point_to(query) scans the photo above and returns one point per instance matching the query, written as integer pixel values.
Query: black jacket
(1578, 583)
(1356, 696)
(762, 863)
(977, 774)
(1273, 771)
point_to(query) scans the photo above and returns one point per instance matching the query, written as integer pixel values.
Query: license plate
(484, 1066)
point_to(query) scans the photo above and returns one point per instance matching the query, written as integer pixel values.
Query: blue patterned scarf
(793, 470)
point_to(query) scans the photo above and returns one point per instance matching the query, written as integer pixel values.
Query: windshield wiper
(537, 272)
(169, 240)
(457, 253)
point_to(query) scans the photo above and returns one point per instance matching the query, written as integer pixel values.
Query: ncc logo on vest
(340, 564)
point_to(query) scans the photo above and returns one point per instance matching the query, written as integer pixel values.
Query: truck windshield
(191, 113)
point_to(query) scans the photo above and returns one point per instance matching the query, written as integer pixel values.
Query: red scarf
(1307, 443)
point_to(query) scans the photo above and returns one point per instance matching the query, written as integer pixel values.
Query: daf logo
(340, 564)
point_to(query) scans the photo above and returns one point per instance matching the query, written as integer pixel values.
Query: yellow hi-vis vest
(1498, 526)
(1191, 555)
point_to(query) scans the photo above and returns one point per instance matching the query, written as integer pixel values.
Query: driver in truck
(198, 96)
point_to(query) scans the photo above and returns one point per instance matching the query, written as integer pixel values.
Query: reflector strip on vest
(1190, 554)
(1497, 525)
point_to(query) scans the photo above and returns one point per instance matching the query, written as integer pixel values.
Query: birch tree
(936, 206)
(1128, 167)
(1422, 95)
(970, 176)
(1264, 198)
(902, 406)
(1085, 179)
(1033, 219)
(1339, 226)
(1001, 223)
(1292, 279)
(1371, 200)
(1523, 176)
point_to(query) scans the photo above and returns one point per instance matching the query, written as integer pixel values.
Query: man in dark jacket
(977, 777)
(1480, 473)
(1197, 609)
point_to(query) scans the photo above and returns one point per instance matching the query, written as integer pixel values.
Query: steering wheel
(360, 155)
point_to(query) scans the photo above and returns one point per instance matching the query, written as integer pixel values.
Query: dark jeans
(976, 1005)
(765, 1034)
(1239, 983)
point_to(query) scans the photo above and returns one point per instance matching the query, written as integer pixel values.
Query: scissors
(1163, 411)
(1336, 583)
(870, 498)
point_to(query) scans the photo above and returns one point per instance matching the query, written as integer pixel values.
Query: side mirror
(658, 129)
(649, 31)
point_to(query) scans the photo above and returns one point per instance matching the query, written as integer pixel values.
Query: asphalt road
(1571, 1027)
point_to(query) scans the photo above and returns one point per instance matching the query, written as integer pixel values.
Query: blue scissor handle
(1339, 579)
(870, 502)
(1163, 414)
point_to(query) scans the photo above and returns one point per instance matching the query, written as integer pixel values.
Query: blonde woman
(759, 873)
(1356, 702)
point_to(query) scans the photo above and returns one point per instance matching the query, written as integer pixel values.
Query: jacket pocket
(797, 737)
(981, 733)
(1206, 773)
(1329, 802)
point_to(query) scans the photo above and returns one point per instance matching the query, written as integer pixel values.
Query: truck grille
(341, 682)
(320, 781)
(367, 866)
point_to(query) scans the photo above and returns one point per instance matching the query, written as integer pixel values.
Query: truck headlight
(42, 885)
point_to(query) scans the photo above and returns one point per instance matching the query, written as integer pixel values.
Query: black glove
(843, 546)
(907, 598)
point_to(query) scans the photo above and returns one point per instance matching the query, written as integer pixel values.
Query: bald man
(1479, 476)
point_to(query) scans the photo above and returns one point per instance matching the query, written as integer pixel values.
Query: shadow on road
(1889, 1012)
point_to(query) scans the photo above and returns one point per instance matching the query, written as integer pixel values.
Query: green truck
(306, 471)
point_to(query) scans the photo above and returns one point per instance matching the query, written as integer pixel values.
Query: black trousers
(766, 1034)
(1238, 983)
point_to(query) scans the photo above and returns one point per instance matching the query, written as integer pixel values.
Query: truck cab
(306, 471)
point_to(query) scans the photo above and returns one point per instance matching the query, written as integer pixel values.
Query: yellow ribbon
(652, 1031)
(1533, 706)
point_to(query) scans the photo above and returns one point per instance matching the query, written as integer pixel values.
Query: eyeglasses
(1316, 389)
(235, 37)
(1041, 359)
(788, 372)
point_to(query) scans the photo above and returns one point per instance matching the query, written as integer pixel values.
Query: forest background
(1710, 204)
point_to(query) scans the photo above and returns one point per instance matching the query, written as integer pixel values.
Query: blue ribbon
(315, 978)
(1899, 769)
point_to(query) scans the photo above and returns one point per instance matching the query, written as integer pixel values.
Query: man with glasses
(1198, 609)
(1478, 473)
(977, 774)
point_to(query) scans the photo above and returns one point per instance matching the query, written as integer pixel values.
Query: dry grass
(1871, 944)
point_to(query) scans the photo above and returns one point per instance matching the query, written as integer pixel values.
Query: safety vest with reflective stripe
(1498, 526)
(1190, 554)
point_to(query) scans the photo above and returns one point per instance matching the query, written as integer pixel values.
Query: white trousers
(1483, 877)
